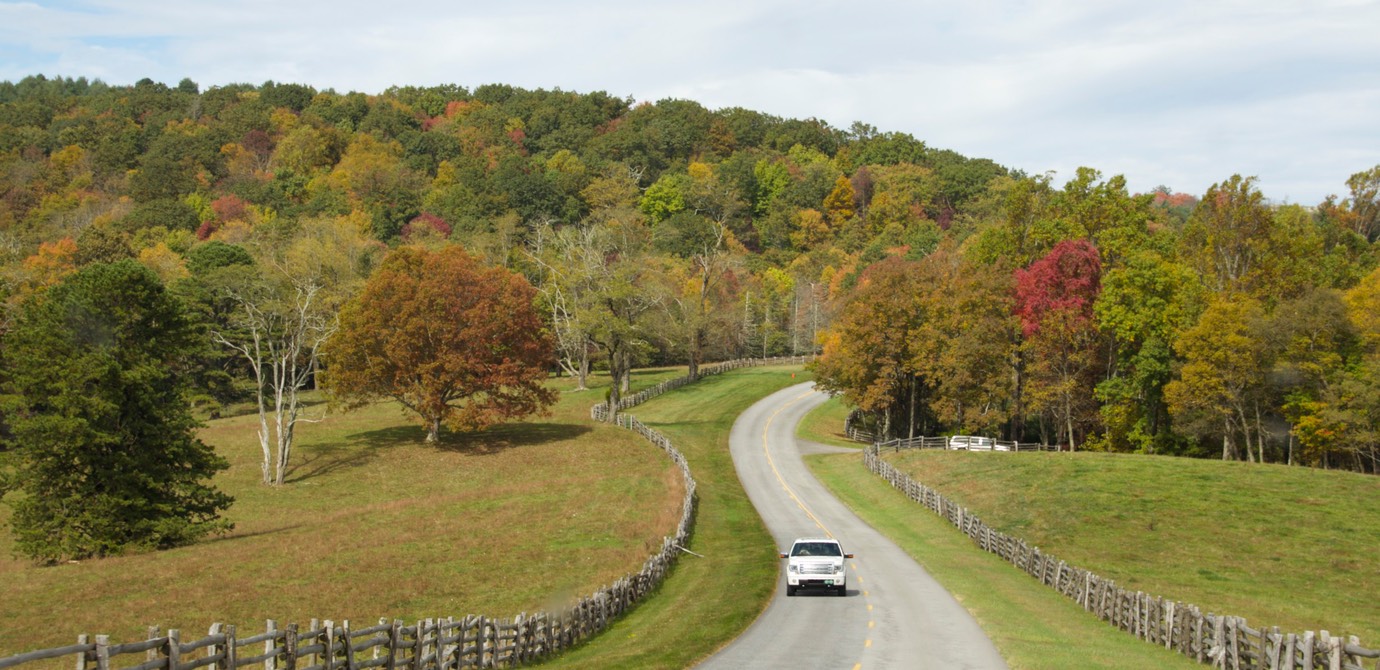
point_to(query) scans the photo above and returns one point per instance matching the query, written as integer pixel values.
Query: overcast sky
(1182, 93)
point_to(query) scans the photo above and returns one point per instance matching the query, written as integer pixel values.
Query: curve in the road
(896, 615)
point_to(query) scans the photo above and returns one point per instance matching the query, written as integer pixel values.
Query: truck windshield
(816, 549)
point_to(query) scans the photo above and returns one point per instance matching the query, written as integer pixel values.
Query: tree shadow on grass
(324, 459)
(232, 536)
(509, 436)
(363, 447)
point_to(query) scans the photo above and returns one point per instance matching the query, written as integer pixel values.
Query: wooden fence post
(312, 627)
(152, 633)
(290, 647)
(216, 629)
(174, 648)
(394, 641)
(328, 642)
(231, 653)
(81, 658)
(102, 652)
(271, 629)
(1168, 626)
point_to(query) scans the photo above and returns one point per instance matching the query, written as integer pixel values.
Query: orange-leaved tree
(455, 341)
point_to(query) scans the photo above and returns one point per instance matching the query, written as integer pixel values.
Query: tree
(1227, 238)
(1142, 306)
(868, 350)
(623, 295)
(106, 450)
(1365, 202)
(452, 340)
(566, 280)
(1223, 373)
(1054, 300)
(968, 346)
(286, 309)
(694, 306)
(838, 205)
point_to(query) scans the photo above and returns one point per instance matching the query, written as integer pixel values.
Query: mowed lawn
(1281, 546)
(376, 523)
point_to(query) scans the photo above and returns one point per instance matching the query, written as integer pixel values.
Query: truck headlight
(791, 568)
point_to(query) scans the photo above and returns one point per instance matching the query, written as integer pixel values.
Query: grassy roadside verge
(824, 424)
(707, 600)
(1033, 627)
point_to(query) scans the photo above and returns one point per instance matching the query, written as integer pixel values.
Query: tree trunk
(766, 324)
(1017, 398)
(433, 430)
(613, 402)
(1246, 433)
(616, 377)
(911, 431)
(1068, 418)
(583, 382)
(265, 465)
(694, 371)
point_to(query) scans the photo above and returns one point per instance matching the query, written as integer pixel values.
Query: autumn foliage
(1065, 281)
(455, 341)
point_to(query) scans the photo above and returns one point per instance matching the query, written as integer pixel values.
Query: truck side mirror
(783, 556)
(848, 555)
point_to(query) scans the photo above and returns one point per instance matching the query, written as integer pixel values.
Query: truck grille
(817, 569)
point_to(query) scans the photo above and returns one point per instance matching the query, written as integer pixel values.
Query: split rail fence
(853, 431)
(1222, 641)
(600, 412)
(432, 644)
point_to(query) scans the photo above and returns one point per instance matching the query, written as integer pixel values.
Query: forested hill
(79, 154)
(948, 293)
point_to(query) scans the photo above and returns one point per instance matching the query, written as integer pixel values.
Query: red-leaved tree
(453, 340)
(1054, 301)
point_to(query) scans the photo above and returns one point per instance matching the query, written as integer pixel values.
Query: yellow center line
(766, 444)
(766, 449)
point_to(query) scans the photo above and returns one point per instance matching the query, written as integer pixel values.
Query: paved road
(895, 614)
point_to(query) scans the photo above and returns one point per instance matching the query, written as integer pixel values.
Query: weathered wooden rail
(1219, 640)
(471, 641)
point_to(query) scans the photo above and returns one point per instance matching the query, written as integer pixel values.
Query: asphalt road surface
(894, 616)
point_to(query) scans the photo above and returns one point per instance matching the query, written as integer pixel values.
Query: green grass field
(1287, 547)
(375, 523)
(1281, 546)
(706, 601)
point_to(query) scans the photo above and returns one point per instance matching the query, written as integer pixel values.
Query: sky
(1179, 93)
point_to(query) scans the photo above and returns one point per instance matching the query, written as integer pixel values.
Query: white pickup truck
(816, 562)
